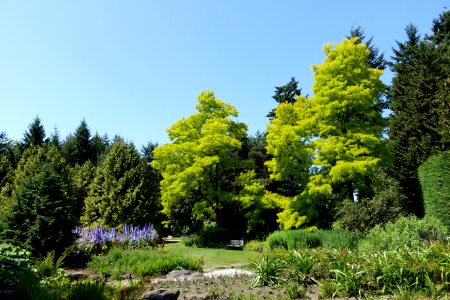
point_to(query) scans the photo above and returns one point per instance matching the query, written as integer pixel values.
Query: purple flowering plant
(99, 239)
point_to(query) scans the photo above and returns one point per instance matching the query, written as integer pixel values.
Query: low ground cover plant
(119, 262)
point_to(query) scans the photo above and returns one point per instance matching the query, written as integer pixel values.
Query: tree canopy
(328, 142)
(201, 158)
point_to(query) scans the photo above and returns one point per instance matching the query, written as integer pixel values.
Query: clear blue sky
(133, 68)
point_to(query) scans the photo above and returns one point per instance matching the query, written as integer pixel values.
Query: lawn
(215, 257)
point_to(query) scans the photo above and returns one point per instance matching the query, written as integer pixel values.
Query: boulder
(161, 294)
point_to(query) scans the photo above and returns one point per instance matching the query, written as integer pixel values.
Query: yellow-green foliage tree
(202, 158)
(331, 142)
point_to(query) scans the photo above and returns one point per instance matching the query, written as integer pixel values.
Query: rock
(178, 274)
(161, 294)
(78, 275)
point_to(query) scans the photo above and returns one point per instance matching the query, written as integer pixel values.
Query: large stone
(177, 274)
(161, 294)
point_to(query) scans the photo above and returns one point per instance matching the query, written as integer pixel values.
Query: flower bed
(99, 240)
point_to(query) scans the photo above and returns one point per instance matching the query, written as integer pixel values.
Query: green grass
(118, 262)
(214, 257)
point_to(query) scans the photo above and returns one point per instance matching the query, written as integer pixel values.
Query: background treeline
(355, 154)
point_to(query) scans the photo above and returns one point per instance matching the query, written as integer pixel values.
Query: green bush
(256, 246)
(15, 264)
(434, 176)
(119, 262)
(298, 239)
(210, 236)
(407, 231)
(384, 207)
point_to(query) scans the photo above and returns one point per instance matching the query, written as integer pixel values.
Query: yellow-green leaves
(201, 154)
(325, 143)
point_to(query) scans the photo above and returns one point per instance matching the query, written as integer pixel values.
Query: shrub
(257, 246)
(210, 236)
(407, 231)
(15, 264)
(297, 239)
(434, 176)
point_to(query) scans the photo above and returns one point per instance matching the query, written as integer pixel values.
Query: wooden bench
(236, 244)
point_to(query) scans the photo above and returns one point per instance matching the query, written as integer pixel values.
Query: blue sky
(133, 68)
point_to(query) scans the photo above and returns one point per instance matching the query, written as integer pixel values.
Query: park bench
(236, 244)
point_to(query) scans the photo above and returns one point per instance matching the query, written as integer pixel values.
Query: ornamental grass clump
(98, 239)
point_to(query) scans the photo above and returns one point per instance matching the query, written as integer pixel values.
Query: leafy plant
(47, 266)
(257, 246)
(15, 264)
(267, 270)
(407, 231)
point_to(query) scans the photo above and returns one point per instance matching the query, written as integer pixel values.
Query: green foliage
(33, 290)
(407, 231)
(267, 270)
(201, 161)
(117, 194)
(41, 215)
(89, 290)
(15, 264)
(300, 239)
(287, 93)
(256, 246)
(329, 143)
(210, 236)
(295, 290)
(434, 177)
(81, 178)
(375, 59)
(419, 97)
(141, 262)
(48, 266)
(385, 206)
(35, 135)
(343, 273)
(78, 148)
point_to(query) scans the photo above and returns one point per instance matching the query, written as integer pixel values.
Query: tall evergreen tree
(7, 148)
(55, 139)
(287, 93)
(376, 59)
(78, 148)
(117, 193)
(419, 102)
(100, 146)
(41, 216)
(35, 135)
